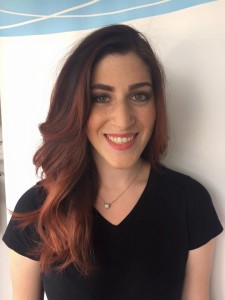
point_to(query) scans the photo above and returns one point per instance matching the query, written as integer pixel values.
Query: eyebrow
(111, 89)
(139, 84)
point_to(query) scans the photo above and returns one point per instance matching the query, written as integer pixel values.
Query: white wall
(5, 286)
(191, 45)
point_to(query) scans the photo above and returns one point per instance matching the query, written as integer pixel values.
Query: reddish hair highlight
(69, 175)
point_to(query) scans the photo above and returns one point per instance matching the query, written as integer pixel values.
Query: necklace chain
(107, 205)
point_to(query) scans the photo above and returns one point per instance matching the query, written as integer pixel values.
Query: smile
(119, 140)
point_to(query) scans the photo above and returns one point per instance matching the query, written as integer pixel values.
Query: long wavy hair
(68, 173)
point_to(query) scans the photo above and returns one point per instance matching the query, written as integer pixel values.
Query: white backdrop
(191, 46)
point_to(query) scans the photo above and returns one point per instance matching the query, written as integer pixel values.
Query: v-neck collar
(104, 222)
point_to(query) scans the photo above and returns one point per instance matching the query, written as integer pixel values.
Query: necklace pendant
(107, 205)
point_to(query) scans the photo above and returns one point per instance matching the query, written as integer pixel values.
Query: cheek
(90, 126)
(93, 124)
(148, 117)
(153, 117)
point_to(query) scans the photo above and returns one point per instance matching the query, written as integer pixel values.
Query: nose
(122, 115)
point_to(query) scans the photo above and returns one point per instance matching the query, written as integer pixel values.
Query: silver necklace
(107, 205)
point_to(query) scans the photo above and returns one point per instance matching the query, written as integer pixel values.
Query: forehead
(116, 67)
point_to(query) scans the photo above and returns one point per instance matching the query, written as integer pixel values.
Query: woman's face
(123, 111)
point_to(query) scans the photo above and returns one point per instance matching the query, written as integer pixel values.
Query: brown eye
(140, 97)
(100, 98)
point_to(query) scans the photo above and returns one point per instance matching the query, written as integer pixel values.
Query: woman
(107, 220)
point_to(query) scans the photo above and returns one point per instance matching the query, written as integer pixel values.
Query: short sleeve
(24, 240)
(202, 219)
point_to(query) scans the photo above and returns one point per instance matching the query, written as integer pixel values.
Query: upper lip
(128, 134)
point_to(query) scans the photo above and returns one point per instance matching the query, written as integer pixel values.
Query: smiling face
(123, 112)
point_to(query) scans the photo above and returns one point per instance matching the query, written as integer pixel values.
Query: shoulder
(190, 200)
(32, 199)
(183, 192)
(24, 238)
(175, 181)
(175, 177)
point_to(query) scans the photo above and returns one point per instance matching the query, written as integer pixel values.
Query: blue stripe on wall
(18, 17)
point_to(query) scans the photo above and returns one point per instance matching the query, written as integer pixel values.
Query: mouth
(121, 139)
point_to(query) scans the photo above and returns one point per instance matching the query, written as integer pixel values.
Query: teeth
(120, 140)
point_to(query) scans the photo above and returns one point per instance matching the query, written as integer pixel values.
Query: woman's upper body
(167, 234)
(107, 221)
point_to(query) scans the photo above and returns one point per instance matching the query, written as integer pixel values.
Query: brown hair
(69, 175)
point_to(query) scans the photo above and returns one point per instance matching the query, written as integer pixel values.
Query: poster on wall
(41, 17)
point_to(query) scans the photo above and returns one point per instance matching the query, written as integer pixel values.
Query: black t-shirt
(144, 257)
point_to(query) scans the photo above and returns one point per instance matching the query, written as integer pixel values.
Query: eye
(100, 98)
(140, 97)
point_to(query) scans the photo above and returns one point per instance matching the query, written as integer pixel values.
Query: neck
(119, 177)
(116, 183)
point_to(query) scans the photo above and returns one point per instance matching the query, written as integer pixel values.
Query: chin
(125, 164)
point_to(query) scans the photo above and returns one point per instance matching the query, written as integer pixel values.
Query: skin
(198, 269)
(123, 105)
(119, 107)
(25, 277)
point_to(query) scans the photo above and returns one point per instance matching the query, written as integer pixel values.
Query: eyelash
(104, 98)
(96, 98)
(144, 96)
